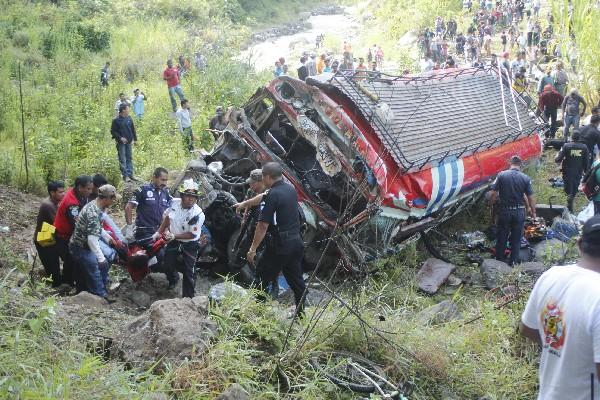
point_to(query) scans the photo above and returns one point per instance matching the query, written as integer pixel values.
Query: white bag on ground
(586, 213)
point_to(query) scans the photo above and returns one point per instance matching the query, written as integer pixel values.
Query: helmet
(189, 187)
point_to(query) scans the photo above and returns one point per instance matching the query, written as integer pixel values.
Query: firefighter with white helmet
(182, 226)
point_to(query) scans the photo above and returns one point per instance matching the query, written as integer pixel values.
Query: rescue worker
(184, 220)
(49, 255)
(574, 160)
(85, 242)
(516, 195)
(64, 222)
(150, 202)
(280, 217)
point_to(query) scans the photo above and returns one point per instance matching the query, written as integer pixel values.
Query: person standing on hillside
(302, 70)
(64, 222)
(573, 157)
(184, 122)
(571, 113)
(121, 100)
(549, 102)
(105, 74)
(514, 190)
(545, 81)
(311, 65)
(321, 64)
(85, 242)
(562, 315)
(137, 101)
(561, 79)
(49, 255)
(171, 75)
(123, 131)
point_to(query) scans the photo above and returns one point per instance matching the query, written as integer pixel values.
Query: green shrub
(94, 38)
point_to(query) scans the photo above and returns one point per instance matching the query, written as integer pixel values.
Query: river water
(336, 28)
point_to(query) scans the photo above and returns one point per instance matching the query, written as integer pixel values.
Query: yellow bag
(45, 237)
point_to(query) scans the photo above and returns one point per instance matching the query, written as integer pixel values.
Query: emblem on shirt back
(553, 322)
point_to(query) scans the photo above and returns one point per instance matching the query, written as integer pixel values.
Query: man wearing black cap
(563, 316)
(285, 250)
(574, 159)
(516, 195)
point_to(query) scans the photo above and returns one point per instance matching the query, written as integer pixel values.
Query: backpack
(591, 186)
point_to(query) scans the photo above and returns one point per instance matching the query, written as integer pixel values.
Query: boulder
(141, 299)
(433, 274)
(201, 303)
(549, 250)
(440, 313)
(169, 331)
(493, 272)
(234, 392)
(532, 268)
(88, 300)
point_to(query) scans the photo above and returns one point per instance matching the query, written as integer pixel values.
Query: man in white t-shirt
(184, 220)
(184, 123)
(563, 316)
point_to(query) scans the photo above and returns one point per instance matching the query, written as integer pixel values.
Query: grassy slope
(68, 116)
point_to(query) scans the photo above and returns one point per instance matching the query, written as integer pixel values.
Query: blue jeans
(570, 120)
(510, 222)
(172, 90)
(125, 160)
(95, 275)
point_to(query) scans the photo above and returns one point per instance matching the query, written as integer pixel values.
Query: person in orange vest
(64, 222)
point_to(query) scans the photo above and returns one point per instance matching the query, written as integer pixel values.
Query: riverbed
(336, 28)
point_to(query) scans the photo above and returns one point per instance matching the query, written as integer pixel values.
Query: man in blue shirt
(513, 188)
(150, 202)
(123, 131)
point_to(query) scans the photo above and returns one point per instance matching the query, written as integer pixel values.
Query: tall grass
(578, 36)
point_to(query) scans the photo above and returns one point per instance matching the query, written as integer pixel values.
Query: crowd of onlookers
(311, 64)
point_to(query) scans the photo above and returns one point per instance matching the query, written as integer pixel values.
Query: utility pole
(23, 129)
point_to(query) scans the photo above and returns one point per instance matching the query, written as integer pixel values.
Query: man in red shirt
(64, 222)
(48, 254)
(171, 75)
(549, 102)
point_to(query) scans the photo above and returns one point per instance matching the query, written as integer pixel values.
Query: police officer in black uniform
(516, 195)
(575, 159)
(285, 249)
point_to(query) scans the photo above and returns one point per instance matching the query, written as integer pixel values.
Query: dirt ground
(18, 212)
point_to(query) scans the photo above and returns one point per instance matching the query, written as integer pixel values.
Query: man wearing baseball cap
(513, 188)
(85, 246)
(563, 316)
